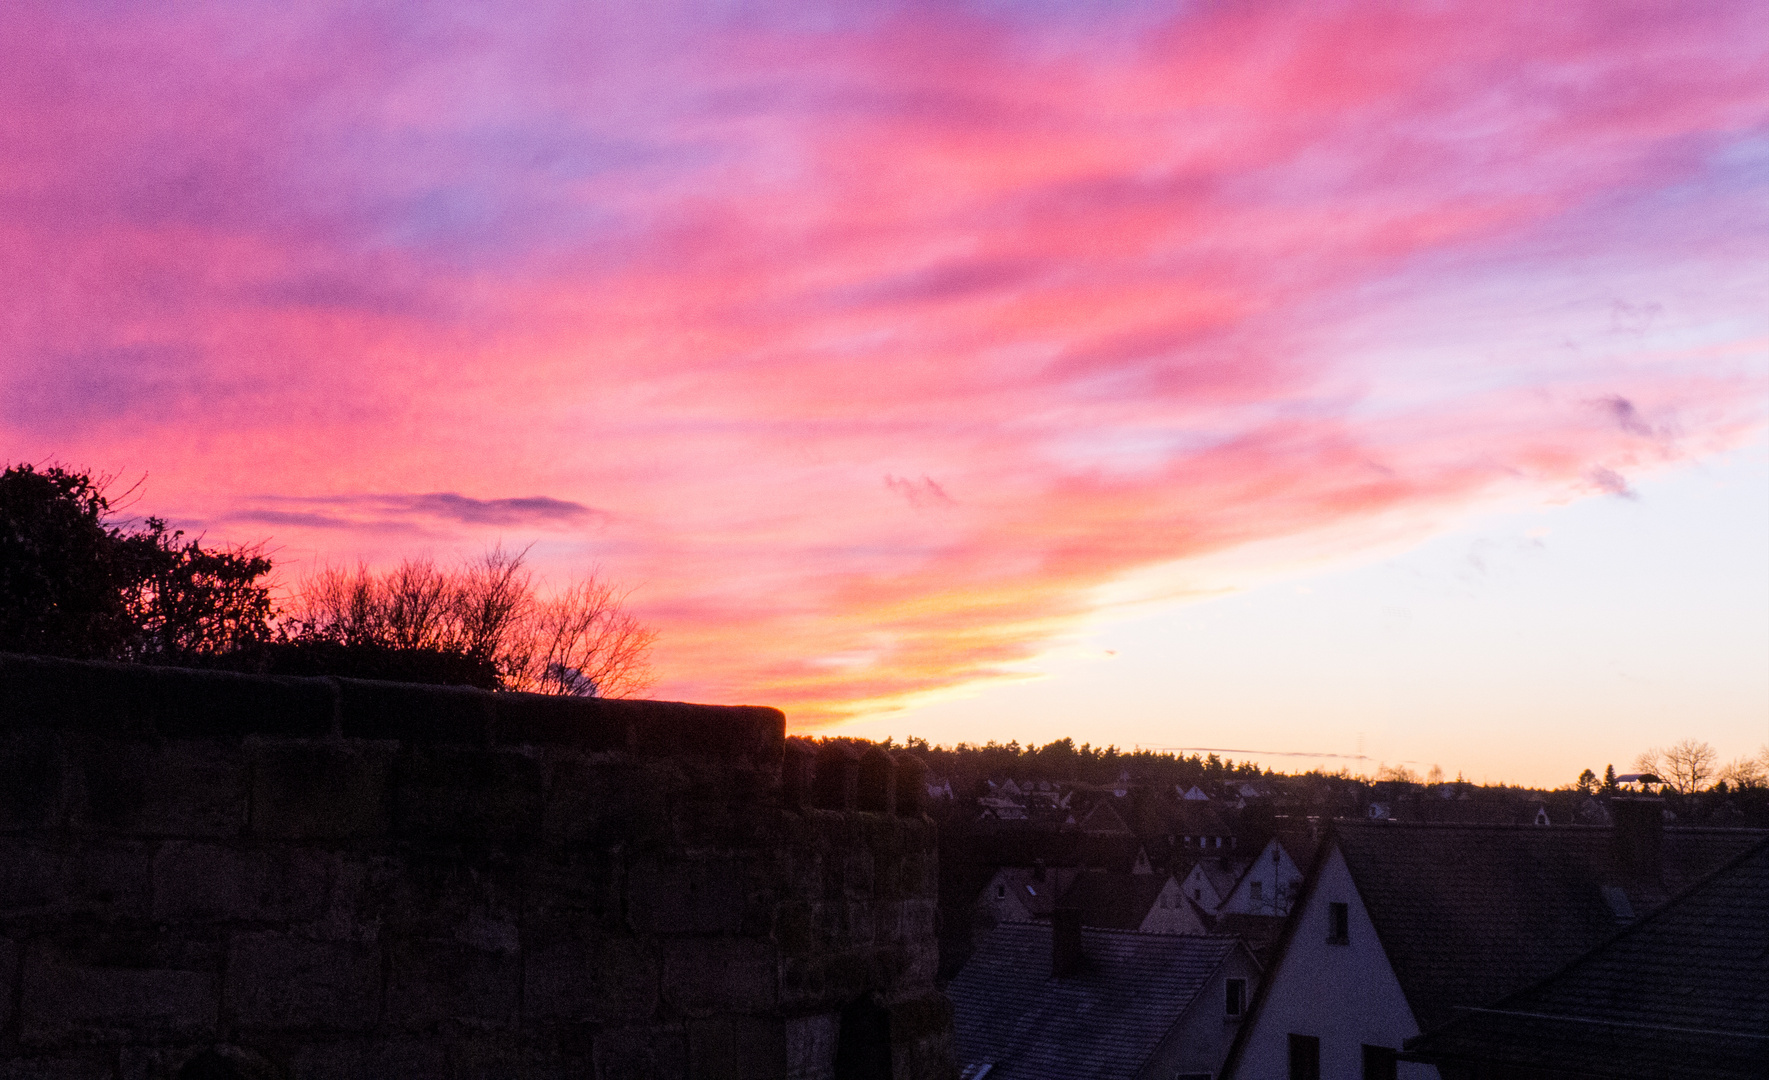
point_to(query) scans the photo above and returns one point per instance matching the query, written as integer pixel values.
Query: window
(1305, 1057)
(1380, 1063)
(1237, 997)
(1338, 924)
(1001, 892)
(1197, 893)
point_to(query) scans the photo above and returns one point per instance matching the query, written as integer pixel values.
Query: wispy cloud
(394, 511)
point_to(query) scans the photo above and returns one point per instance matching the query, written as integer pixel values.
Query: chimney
(1638, 837)
(1065, 942)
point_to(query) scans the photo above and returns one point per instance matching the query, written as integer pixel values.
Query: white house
(1268, 886)
(1210, 881)
(1332, 1001)
(1173, 913)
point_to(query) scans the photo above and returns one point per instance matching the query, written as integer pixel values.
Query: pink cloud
(878, 339)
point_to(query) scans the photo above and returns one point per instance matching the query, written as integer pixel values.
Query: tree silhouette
(73, 583)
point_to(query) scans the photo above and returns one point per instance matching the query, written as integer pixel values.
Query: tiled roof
(1102, 1022)
(1194, 819)
(1114, 901)
(1221, 872)
(1683, 993)
(1470, 913)
(1260, 932)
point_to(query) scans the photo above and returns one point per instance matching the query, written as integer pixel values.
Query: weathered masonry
(210, 875)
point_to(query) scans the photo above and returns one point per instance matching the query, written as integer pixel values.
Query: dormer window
(1236, 1003)
(1338, 924)
(1001, 892)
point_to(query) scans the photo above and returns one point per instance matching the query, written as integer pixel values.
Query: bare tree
(1397, 773)
(1747, 772)
(1686, 765)
(582, 642)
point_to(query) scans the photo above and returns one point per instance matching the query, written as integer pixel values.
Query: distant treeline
(1061, 760)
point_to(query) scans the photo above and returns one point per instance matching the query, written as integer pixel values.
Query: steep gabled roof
(1104, 819)
(1684, 993)
(1114, 901)
(1220, 871)
(1104, 1021)
(1036, 890)
(1470, 913)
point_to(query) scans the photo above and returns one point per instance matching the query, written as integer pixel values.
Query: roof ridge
(1649, 919)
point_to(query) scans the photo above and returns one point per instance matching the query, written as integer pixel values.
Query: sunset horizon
(1331, 386)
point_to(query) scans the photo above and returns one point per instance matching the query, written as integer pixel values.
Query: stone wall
(209, 875)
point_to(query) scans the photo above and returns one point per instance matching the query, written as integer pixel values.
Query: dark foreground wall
(207, 875)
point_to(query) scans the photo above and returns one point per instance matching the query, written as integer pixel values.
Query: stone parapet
(205, 871)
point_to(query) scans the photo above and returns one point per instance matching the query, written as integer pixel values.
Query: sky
(1384, 382)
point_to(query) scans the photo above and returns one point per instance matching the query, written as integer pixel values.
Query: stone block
(312, 789)
(736, 1048)
(278, 983)
(810, 1046)
(414, 714)
(203, 881)
(429, 981)
(465, 794)
(9, 972)
(588, 724)
(606, 802)
(641, 1053)
(215, 1060)
(33, 784)
(748, 736)
(381, 1058)
(686, 896)
(89, 1065)
(611, 979)
(172, 703)
(103, 877)
(437, 894)
(62, 1000)
(188, 788)
(575, 892)
(223, 704)
(707, 975)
